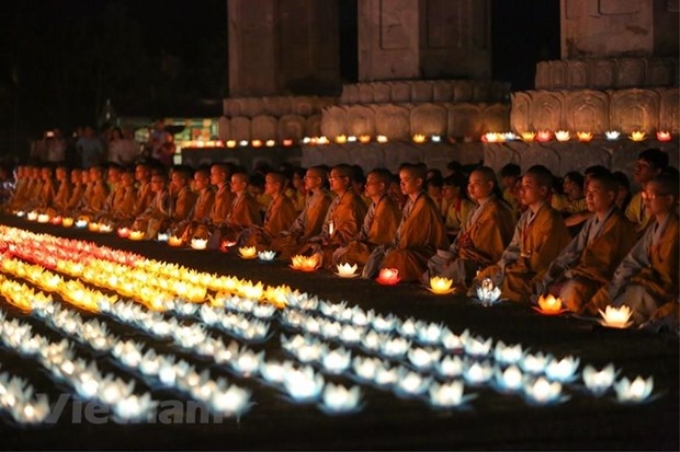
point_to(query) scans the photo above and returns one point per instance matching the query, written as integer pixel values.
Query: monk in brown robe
(220, 177)
(95, 199)
(343, 220)
(33, 190)
(64, 189)
(589, 261)
(279, 216)
(310, 220)
(540, 236)
(182, 198)
(77, 192)
(48, 190)
(120, 207)
(487, 232)
(244, 211)
(157, 216)
(202, 208)
(380, 223)
(647, 278)
(420, 233)
(144, 193)
(21, 189)
(650, 163)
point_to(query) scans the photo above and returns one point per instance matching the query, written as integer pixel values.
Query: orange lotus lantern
(562, 135)
(93, 226)
(247, 252)
(549, 305)
(663, 135)
(287, 142)
(175, 241)
(638, 135)
(364, 139)
(256, 143)
(305, 263)
(341, 139)
(67, 222)
(440, 285)
(544, 135)
(123, 233)
(419, 138)
(388, 277)
(136, 235)
(584, 136)
(528, 136)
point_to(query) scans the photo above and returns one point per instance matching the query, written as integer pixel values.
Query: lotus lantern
(364, 139)
(43, 218)
(287, 142)
(381, 139)
(616, 317)
(304, 263)
(341, 139)
(544, 135)
(338, 399)
(231, 143)
(388, 277)
(509, 379)
(256, 143)
(436, 138)
(234, 400)
(612, 135)
(440, 285)
(488, 293)
(663, 135)
(93, 226)
(136, 235)
(419, 138)
(541, 391)
(599, 381)
(270, 143)
(447, 394)
(638, 135)
(528, 136)
(226, 244)
(81, 223)
(633, 392)
(162, 237)
(549, 305)
(562, 135)
(20, 213)
(493, 137)
(105, 228)
(266, 256)
(584, 136)
(346, 270)
(197, 243)
(122, 232)
(33, 216)
(247, 252)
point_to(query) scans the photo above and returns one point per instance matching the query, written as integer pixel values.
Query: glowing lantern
(174, 241)
(638, 135)
(636, 391)
(270, 143)
(32, 216)
(381, 139)
(231, 143)
(663, 135)
(364, 139)
(436, 138)
(584, 136)
(488, 293)
(440, 285)
(198, 244)
(247, 252)
(352, 139)
(136, 235)
(322, 140)
(266, 256)
(562, 135)
(388, 277)
(419, 138)
(616, 317)
(528, 136)
(105, 228)
(341, 139)
(347, 270)
(122, 232)
(162, 237)
(304, 263)
(287, 142)
(43, 218)
(549, 305)
(544, 135)
(56, 220)
(93, 227)
(256, 143)
(612, 135)
(225, 245)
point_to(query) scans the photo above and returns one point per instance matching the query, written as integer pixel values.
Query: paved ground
(493, 421)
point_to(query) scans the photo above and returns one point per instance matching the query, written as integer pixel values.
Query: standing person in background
(56, 147)
(157, 136)
(90, 148)
(123, 150)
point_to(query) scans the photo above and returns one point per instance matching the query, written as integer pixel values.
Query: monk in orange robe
(182, 198)
(310, 220)
(21, 190)
(590, 260)
(278, 217)
(220, 177)
(120, 207)
(157, 216)
(244, 211)
(202, 208)
(380, 223)
(343, 220)
(647, 278)
(143, 185)
(487, 232)
(64, 188)
(48, 190)
(33, 189)
(540, 236)
(650, 163)
(420, 233)
(77, 192)
(95, 198)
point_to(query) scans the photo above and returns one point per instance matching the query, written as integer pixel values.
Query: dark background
(61, 60)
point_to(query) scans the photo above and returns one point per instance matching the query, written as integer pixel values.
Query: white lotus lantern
(636, 391)
(351, 334)
(385, 376)
(384, 324)
(510, 379)
(234, 400)
(361, 317)
(424, 359)
(266, 256)
(274, 371)
(134, 407)
(412, 383)
(303, 384)
(541, 391)
(488, 293)
(365, 367)
(535, 364)
(508, 354)
(477, 346)
(612, 135)
(112, 390)
(430, 333)
(330, 329)
(562, 370)
(371, 341)
(199, 244)
(450, 366)
(478, 372)
(81, 223)
(338, 399)
(32, 412)
(43, 218)
(599, 381)
(347, 270)
(447, 394)
(336, 361)
(395, 347)
(452, 341)
(33, 216)
(616, 317)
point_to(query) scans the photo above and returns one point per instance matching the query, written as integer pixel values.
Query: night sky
(61, 60)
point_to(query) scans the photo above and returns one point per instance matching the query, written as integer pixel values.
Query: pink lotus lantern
(544, 135)
(388, 277)
(123, 233)
(663, 135)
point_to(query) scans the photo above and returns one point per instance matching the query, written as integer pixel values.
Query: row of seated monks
(527, 251)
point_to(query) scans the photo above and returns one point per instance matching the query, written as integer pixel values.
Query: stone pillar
(283, 47)
(619, 28)
(424, 39)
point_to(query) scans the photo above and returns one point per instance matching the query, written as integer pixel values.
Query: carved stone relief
(465, 120)
(520, 113)
(223, 128)
(496, 118)
(292, 127)
(635, 109)
(333, 121)
(360, 121)
(264, 128)
(546, 110)
(669, 116)
(587, 111)
(630, 72)
(239, 128)
(429, 119)
(392, 121)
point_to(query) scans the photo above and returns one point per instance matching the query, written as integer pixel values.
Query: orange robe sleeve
(223, 201)
(489, 235)
(280, 215)
(661, 279)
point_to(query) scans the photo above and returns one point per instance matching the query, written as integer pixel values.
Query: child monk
(64, 188)
(380, 223)
(310, 220)
(647, 278)
(144, 192)
(156, 217)
(487, 232)
(540, 236)
(343, 220)
(94, 199)
(121, 201)
(220, 179)
(279, 216)
(590, 259)
(244, 211)
(78, 186)
(420, 233)
(650, 163)
(201, 210)
(458, 205)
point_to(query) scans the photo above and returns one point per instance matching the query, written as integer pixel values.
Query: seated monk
(201, 210)
(647, 278)
(48, 190)
(33, 189)
(590, 259)
(94, 199)
(120, 207)
(458, 206)
(343, 218)
(540, 236)
(310, 220)
(487, 232)
(78, 187)
(144, 193)
(182, 198)
(380, 223)
(279, 216)
(650, 163)
(220, 176)
(157, 216)
(64, 189)
(244, 211)
(21, 189)
(420, 233)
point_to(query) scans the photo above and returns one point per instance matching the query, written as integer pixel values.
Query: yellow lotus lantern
(419, 138)
(584, 136)
(341, 139)
(105, 228)
(247, 252)
(381, 139)
(304, 263)
(638, 135)
(562, 135)
(231, 144)
(364, 139)
(549, 305)
(136, 235)
(93, 226)
(175, 241)
(440, 285)
(270, 143)
(614, 317)
(528, 136)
